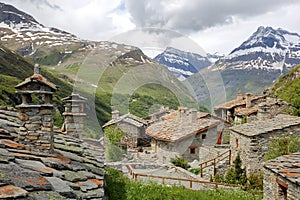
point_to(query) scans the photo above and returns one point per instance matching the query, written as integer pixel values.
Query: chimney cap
(37, 69)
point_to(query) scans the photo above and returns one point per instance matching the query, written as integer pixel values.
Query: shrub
(282, 146)
(179, 162)
(195, 171)
(255, 181)
(218, 178)
(230, 176)
(113, 134)
(113, 153)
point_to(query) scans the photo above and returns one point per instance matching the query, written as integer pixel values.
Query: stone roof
(37, 78)
(246, 111)
(128, 118)
(74, 98)
(279, 122)
(73, 171)
(237, 102)
(287, 166)
(177, 126)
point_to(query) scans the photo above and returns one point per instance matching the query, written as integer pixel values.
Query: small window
(193, 150)
(203, 136)
(236, 143)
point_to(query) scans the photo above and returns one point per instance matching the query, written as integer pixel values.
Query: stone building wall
(164, 151)
(132, 131)
(253, 148)
(167, 150)
(272, 190)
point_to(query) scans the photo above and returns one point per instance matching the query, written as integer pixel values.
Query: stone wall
(167, 150)
(252, 149)
(132, 131)
(36, 134)
(9, 123)
(272, 190)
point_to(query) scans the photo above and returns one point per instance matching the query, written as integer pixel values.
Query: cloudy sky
(215, 25)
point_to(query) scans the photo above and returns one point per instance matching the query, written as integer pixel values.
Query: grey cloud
(39, 3)
(195, 15)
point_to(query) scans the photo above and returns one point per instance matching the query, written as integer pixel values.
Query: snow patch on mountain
(184, 64)
(266, 49)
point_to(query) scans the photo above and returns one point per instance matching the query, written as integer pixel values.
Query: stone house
(282, 178)
(182, 132)
(38, 161)
(228, 110)
(251, 140)
(133, 127)
(250, 108)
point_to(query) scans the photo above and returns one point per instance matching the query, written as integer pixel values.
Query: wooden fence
(190, 181)
(214, 161)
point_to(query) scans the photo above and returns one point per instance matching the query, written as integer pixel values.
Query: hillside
(288, 88)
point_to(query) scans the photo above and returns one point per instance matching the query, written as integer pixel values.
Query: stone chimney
(248, 100)
(37, 69)
(239, 95)
(182, 112)
(115, 115)
(36, 112)
(74, 115)
(263, 112)
(193, 115)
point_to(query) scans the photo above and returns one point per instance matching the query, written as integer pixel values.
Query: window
(192, 151)
(236, 143)
(203, 136)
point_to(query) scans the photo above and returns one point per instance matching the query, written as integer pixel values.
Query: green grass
(120, 187)
(288, 89)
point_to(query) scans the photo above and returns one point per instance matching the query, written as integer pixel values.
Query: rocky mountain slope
(53, 47)
(184, 64)
(255, 65)
(267, 49)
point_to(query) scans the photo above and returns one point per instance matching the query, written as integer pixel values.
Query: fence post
(215, 170)
(163, 181)
(201, 170)
(229, 156)
(191, 184)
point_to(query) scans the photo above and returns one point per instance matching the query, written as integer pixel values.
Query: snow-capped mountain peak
(16, 20)
(183, 64)
(269, 40)
(267, 48)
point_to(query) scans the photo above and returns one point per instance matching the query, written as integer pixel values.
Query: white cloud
(216, 25)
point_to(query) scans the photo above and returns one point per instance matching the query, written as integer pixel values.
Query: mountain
(65, 59)
(51, 46)
(183, 64)
(255, 65)
(268, 49)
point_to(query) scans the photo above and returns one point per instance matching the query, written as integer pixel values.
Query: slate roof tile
(286, 166)
(31, 175)
(174, 127)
